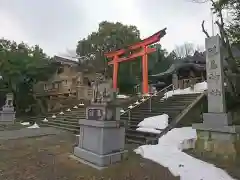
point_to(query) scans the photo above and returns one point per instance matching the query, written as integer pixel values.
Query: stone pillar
(217, 114)
(175, 80)
(8, 113)
(215, 135)
(101, 139)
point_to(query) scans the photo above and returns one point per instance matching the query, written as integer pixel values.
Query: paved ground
(47, 158)
(26, 132)
(15, 126)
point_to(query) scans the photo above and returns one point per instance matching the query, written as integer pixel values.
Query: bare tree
(218, 6)
(187, 49)
(200, 48)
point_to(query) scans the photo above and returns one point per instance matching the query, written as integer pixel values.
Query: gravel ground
(47, 158)
(15, 126)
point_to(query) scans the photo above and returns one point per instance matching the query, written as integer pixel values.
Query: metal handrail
(148, 97)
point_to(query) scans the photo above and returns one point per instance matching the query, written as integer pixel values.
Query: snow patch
(53, 116)
(75, 107)
(168, 153)
(68, 110)
(130, 107)
(198, 88)
(45, 120)
(150, 130)
(155, 122)
(137, 102)
(34, 126)
(121, 96)
(25, 123)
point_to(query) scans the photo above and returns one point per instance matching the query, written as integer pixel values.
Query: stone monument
(216, 135)
(101, 139)
(7, 115)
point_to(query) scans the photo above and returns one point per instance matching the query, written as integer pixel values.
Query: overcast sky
(57, 25)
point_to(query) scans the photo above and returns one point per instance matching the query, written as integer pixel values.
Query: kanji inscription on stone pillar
(215, 75)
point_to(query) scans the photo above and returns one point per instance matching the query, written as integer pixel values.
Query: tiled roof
(66, 60)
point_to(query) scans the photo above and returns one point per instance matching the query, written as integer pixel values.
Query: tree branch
(225, 41)
(204, 30)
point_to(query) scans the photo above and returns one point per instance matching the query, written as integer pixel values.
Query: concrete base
(217, 119)
(100, 142)
(99, 161)
(222, 143)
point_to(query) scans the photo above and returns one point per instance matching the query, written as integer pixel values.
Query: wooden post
(115, 72)
(145, 71)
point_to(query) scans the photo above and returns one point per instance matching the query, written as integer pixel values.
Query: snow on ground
(156, 122)
(168, 153)
(121, 96)
(25, 123)
(45, 120)
(34, 126)
(150, 130)
(198, 88)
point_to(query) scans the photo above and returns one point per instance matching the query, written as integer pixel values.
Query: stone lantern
(8, 113)
(101, 139)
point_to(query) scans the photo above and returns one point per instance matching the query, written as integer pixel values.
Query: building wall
(64, 81)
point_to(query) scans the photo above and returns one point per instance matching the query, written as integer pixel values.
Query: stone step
(161, 109)
(159, 103)
(139, 133)
(187, 95)
(72, 116)
(166, 101)
(132, 141)
(162, 105)
(135, 121)
(67, 113)
(151, 114)
(131, 137)
(67, 125)
(140, 117)
(67, 117)
(180, 98)
(76, 123)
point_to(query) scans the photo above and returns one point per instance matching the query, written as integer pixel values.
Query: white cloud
(58, 24)
(10, 29)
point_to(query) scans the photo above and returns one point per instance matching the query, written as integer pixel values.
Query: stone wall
(227, 149)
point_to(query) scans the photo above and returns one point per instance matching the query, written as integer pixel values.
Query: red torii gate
(144, 51)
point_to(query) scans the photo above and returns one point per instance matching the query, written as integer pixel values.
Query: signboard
(215, 76)
(96, 114)
(100, 113)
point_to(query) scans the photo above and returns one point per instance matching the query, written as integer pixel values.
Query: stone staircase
(69, 120)
(173, 106)
(148, 107)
